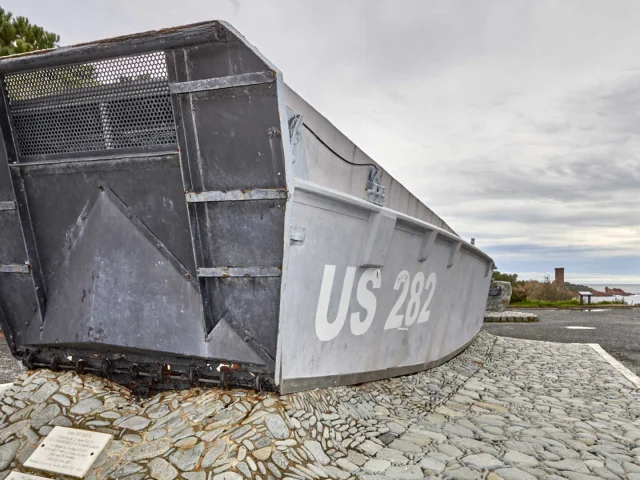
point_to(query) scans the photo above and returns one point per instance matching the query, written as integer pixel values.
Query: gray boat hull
(172, 214)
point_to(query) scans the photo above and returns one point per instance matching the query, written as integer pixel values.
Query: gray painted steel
(172, 214)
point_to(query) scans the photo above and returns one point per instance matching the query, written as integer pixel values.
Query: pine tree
(17, 35)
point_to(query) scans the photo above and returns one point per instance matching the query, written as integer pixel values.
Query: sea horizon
(632, 288)
(627, 287)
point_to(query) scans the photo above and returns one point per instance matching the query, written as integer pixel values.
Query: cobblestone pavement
(616, 330)
(505, 408)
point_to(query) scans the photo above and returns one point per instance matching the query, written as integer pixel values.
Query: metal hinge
(375, 191)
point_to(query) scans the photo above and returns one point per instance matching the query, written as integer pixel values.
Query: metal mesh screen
(111, 104)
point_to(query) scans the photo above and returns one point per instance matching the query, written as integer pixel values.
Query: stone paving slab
(510, 316)
(503, 409)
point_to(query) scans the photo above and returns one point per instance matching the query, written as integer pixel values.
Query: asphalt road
(616, 330)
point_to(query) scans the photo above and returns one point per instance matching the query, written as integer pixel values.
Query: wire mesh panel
(110, 104)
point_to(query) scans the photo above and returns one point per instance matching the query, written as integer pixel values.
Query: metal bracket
(298, 235)
(426, 246)
(231, 81)
(26, 268)
(237, 195)
(219, 272)
(454, 253)
(490, 267)
(375, 191)
(10, 205)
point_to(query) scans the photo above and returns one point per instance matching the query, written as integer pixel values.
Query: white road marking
(580, 328)
(632, 377)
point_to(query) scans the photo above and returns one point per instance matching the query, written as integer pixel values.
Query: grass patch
(563, 303)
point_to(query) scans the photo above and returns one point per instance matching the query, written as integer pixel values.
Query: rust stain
(230, 368)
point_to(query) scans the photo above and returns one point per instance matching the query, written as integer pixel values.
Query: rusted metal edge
(232, 81)
(149, 372)
(205, 32)
(217, 272)
(9, 205)
(15, 268)
(237, 195)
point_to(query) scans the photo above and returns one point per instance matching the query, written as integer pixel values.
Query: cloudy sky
(517, 121)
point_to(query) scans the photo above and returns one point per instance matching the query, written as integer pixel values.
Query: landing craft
(173, 214)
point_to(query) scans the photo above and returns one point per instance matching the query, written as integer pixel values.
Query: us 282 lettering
(411, 290)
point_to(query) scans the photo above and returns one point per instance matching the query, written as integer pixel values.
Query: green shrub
(512, 278)
(518, 293)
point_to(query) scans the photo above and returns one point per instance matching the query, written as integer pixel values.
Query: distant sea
(629, 288)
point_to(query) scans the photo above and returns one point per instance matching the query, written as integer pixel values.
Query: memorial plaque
(69, 451)
(495, 290)
(24, 476)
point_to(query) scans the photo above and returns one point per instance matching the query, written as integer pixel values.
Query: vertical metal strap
(190, 180)
(22, 205)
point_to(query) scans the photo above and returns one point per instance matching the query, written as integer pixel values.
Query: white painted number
(326, 330)
(413, 308)
(431, 286)
(371, 279)
(413, 311)
(367, 300)
(394, 320)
